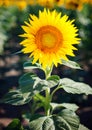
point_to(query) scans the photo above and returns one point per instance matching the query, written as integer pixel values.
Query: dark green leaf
(27, 79)
(72, 120)
(13, 97)
(71, 64)
(29, 65)
(82, 127)
(29, 117)
(15, 125)
(42, 123)
(66, 120)
(33, 84)
(71, 86)
(29, 85)
(16, 97)
(69, 106)
(53, 80)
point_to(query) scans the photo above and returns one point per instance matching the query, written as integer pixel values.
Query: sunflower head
(88, 1)
(46, 3)
(74, 4)
(59, 2)
(49, 38)
(20, 4)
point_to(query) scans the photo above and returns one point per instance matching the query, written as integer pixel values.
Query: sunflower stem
(48, 71)
(47, 91)
(58, 87)
(48, 100)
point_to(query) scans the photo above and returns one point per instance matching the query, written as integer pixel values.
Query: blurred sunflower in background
(88, 1)
(73, 4)
(46, 3)
(50, 3)
(21, 4)
(59, 2)
(6, 2)
(68, 4)
(49, 38)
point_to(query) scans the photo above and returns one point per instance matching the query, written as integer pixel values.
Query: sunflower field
(45, 64)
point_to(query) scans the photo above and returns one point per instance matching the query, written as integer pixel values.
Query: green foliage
(82, 127)
(7, 22)
(7, 19)
(29, 65)
(84, 21)
(15, 125)
(16, 97)
(30, 88)
(3, 38)
(29, 85)
(73, 87)
(69, 106)
(71, 64)
(65, 120)
(29, 82)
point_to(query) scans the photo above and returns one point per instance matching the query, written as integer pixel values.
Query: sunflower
(20, 4)
(73, 4)
(59, 2)
(49, 38)
(88, 1)
(46, 3)
(5, 2)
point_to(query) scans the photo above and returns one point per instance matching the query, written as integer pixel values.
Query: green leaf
(82, 127)
(73, 87)
(66, 120)
(71, 64)
(42, 123)
(71, 119)
(31, 83)
(69, 106)
(53, 80)
(15, 125)
(12, 97)
(27, 79)
(29, 117)
(29, 65)
(16, 97)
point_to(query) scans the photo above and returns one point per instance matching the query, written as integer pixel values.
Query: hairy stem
(58, 87)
